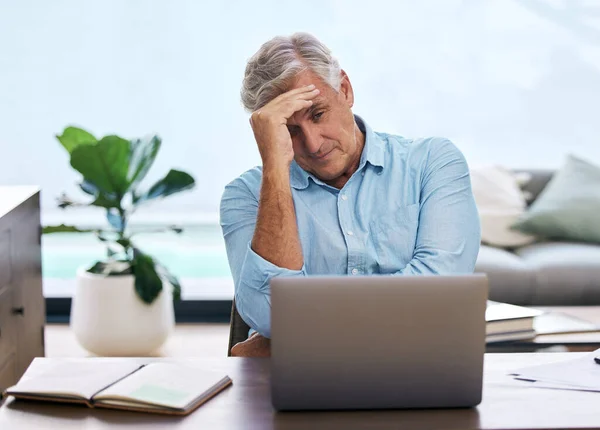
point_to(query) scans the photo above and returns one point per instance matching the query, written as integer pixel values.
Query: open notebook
(158, 387)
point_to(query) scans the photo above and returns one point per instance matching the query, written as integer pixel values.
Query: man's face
(324, 136)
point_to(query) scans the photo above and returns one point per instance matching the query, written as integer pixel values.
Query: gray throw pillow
(569, 207)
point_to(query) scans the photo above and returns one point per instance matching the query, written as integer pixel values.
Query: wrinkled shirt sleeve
(449, 232)
(251, 273)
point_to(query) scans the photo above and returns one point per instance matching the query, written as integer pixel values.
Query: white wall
(511, 82)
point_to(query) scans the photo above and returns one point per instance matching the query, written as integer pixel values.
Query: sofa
(542, 273)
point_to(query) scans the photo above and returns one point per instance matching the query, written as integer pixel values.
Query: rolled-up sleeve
(449, 231)
(251, 273)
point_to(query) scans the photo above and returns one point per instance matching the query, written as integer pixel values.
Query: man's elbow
(255, 310)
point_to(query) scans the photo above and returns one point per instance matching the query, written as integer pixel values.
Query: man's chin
(328, 171)
(328, 174)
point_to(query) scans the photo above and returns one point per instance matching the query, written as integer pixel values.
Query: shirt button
(350, 233)
(363, 173)
(344, 197)
(354, 271)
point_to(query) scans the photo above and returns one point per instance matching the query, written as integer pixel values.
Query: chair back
(238, 329)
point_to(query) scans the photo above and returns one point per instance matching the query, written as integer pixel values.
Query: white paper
(582, 373)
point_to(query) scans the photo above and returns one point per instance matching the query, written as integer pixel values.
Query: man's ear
(346, 91)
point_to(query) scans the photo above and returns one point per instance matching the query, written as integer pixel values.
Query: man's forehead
(318, 101)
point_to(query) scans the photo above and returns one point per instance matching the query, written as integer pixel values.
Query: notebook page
(164, 384)
(81, 378)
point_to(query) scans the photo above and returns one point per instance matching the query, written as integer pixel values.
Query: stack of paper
(581, 374)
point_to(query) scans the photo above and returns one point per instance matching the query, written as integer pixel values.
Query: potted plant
(123, 304)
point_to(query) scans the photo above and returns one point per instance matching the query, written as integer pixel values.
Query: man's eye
(317, 116)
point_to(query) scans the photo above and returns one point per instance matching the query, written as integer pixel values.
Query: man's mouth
(324, 156)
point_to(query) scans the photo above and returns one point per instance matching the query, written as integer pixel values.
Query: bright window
(511, 82)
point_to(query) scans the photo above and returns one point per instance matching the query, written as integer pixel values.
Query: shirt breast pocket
(394, 236)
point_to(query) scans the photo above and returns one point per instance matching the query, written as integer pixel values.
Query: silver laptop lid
(376, 342)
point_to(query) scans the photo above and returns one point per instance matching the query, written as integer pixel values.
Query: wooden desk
(507, 404)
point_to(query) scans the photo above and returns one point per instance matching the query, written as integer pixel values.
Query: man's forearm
(276, 234)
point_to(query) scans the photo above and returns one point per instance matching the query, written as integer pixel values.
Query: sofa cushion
(567, 273)
(538, 180)
(510, 279)
(500, 202)
(569, 206)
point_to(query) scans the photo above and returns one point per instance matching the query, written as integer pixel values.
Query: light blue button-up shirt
(407, 210)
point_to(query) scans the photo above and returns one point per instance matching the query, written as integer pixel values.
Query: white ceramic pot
(109, 319)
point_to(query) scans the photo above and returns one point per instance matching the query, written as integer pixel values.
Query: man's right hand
(269, 124)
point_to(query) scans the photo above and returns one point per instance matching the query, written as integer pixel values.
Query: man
(333, 196)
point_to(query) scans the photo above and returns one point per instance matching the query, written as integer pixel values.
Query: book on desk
(157, 387)
(506, 322)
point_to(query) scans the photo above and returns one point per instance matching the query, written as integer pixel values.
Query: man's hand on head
(269, 125)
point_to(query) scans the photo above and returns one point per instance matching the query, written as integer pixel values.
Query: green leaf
(101, 199)
(62, 228)
(97, 268)
(174, 182)
(104, 165)
(148, 284)
(125, 243)
(73, 137)
(107, 236)
(172, 279)
(111, 268)
(106, 202)
(142, 156)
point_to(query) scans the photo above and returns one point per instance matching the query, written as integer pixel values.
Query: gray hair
(272, 69)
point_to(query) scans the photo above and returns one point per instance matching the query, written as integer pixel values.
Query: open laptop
(377, 342)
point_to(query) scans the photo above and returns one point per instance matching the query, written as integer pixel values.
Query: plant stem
(123, 215)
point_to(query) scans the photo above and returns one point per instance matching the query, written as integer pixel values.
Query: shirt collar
(373, 152)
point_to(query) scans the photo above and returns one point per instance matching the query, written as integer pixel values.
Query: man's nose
(312, 140)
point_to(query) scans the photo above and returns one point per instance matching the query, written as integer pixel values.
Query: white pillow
(500, 201)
